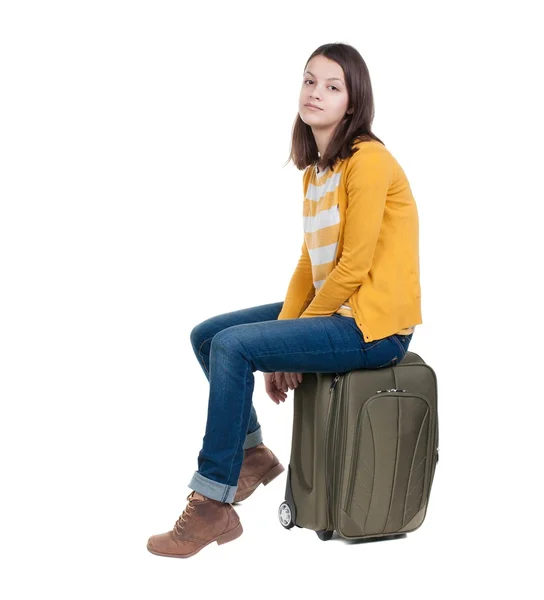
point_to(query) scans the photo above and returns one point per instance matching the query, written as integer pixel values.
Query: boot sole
(265, 480)
(222, 539)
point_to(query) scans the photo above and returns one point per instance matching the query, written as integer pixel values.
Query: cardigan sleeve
(301, 287)
(368, 177)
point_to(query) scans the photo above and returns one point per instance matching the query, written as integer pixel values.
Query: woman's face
(323, 84)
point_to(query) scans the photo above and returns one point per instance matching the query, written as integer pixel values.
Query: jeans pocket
(402, 343)
(383, 353)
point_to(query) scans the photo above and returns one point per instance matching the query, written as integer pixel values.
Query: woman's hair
(353, 127)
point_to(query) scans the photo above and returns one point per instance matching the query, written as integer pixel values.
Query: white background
(144, 188)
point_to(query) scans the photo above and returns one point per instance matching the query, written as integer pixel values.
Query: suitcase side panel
(311, 422)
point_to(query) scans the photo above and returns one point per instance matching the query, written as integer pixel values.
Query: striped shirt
(321, 222)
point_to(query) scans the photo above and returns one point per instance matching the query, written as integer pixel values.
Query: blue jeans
(230, 347)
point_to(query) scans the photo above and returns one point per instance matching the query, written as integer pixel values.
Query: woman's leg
(201, 339)
(319, 344)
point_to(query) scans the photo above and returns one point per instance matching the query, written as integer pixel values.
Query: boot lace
(178, 527)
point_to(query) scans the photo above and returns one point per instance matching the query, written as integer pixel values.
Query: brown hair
(353, 127)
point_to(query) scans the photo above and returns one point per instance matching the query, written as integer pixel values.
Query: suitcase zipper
(329, 472)
(334, 382)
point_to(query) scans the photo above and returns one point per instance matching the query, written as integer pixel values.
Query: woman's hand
(277, 384)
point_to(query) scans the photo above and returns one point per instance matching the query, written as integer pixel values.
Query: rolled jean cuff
(253, 439)
(213, 489)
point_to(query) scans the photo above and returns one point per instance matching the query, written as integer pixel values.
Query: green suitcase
(364, 451)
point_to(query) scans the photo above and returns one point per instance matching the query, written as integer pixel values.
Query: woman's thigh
(317, 345)
(206, 330)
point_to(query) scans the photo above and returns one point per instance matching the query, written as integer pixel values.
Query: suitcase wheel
(324, 534)
(285, 515)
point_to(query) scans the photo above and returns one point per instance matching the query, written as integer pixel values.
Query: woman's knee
(199, 334)
(205, 332)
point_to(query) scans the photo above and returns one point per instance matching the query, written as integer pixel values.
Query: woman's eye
(333, 86)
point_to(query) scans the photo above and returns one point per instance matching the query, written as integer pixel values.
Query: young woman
(352, 302)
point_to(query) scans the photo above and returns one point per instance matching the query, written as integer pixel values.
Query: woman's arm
(368, 177)
(301, 287)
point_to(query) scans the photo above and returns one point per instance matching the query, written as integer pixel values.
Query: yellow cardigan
(376, 266)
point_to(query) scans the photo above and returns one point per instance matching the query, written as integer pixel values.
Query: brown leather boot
(260, 465)
(202, 522)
